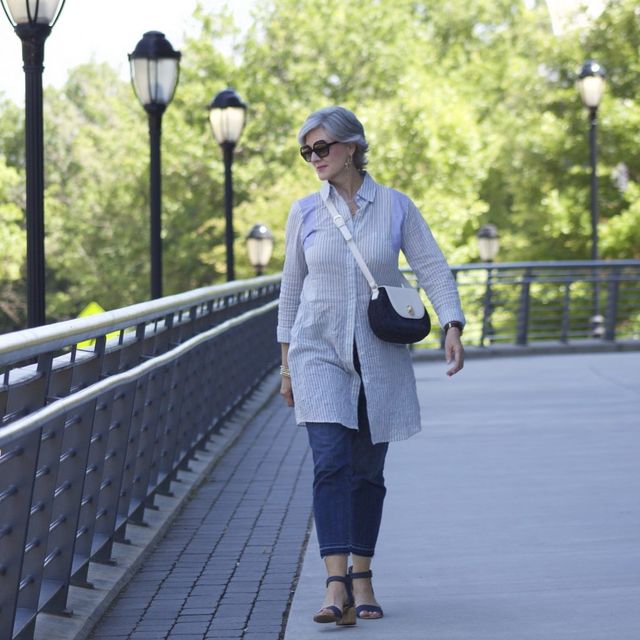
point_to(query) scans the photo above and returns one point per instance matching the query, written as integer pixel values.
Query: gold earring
(348, 163)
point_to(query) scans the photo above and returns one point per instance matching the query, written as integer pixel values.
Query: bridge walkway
(514, 515)
(227, 566)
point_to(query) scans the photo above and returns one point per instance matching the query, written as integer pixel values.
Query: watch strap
(453, 323)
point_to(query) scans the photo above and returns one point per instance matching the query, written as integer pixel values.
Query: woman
(354, 392)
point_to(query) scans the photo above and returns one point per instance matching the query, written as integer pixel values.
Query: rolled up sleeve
(293, 275)
(430, 266)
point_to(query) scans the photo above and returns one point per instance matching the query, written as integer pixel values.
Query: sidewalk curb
(89, 605)
(534, 349)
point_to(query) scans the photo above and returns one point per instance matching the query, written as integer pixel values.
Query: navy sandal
(332, 613)
(365, 608)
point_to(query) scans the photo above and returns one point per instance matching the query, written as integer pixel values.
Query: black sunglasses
(320, 148)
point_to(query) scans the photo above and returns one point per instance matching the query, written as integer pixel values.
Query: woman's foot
(337, 605)
(367, 607)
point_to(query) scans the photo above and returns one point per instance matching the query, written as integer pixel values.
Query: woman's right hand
(286, 391)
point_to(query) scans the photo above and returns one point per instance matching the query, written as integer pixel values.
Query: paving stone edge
(89, 605)
(533, 349)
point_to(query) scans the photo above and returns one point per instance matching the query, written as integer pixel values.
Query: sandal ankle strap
(360, 574)
(346, 581)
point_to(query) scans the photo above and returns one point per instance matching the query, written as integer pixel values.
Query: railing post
(523, 311)
(170, 438)
(613, 290)
(566, 312)
(108, 522)
(85, 536)
(131, 454)
(67, 505)
(149, 439)
(487, 309)
(18, 464)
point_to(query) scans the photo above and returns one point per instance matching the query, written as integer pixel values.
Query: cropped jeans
(348, 484)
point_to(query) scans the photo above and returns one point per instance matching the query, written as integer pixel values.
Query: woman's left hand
(453, 351)
(286, 391)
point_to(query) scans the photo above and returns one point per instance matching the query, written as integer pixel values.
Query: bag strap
(338, 220)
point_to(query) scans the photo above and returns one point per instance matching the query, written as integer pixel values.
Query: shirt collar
(367, 190)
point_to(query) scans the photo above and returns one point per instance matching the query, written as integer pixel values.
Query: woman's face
(332, 165)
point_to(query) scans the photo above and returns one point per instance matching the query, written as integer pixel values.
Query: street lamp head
(591, 82)
(227, 116)
(155, 66)
(259, 246)
(488, 242)
(32, 12)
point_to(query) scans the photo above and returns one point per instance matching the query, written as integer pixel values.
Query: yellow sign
(92, 309)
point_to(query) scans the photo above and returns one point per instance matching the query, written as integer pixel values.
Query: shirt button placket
(351, 287)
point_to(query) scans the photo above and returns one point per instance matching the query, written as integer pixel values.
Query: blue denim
(348, 485)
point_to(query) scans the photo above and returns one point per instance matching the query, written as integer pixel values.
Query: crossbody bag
(396, 314)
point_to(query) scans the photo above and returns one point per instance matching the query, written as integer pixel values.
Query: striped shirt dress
(323, 307)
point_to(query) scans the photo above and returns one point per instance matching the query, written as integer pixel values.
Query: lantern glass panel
(26, 11)
(488, 248)
(227, 123)
(259, 251)
(591, 89)
(154, 81)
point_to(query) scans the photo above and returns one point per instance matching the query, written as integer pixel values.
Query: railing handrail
(548, 264)
(27, 424)
(31, 342)
(61, 334)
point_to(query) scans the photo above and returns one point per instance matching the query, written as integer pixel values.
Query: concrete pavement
(515, 514)
(227, 563)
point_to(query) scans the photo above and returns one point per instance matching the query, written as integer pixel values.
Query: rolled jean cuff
(362, 551)
(334, 551)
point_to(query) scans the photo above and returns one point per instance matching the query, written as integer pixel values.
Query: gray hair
(343, 126)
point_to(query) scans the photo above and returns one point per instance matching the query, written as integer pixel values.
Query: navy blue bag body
(397, 315)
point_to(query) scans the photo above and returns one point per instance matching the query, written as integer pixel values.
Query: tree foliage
(470, 108)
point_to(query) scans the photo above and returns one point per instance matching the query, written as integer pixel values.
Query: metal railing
(98, 416)
(521, 303)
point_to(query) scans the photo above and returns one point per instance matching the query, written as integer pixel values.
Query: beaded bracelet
(284, 371)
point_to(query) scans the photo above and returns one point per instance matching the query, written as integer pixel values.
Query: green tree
(12, 250)
(96, 201)
(470, 108)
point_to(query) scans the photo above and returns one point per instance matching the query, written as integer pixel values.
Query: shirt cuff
(284, 335)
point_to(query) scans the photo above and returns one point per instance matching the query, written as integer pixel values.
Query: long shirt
(323, 305)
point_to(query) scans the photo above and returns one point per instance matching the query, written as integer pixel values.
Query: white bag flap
(406, 302)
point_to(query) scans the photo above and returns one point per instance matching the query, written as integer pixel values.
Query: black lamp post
(259, 247)
(155, 67)
(227, 115)
(591, 82)
(33, 22)
(488, 245)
